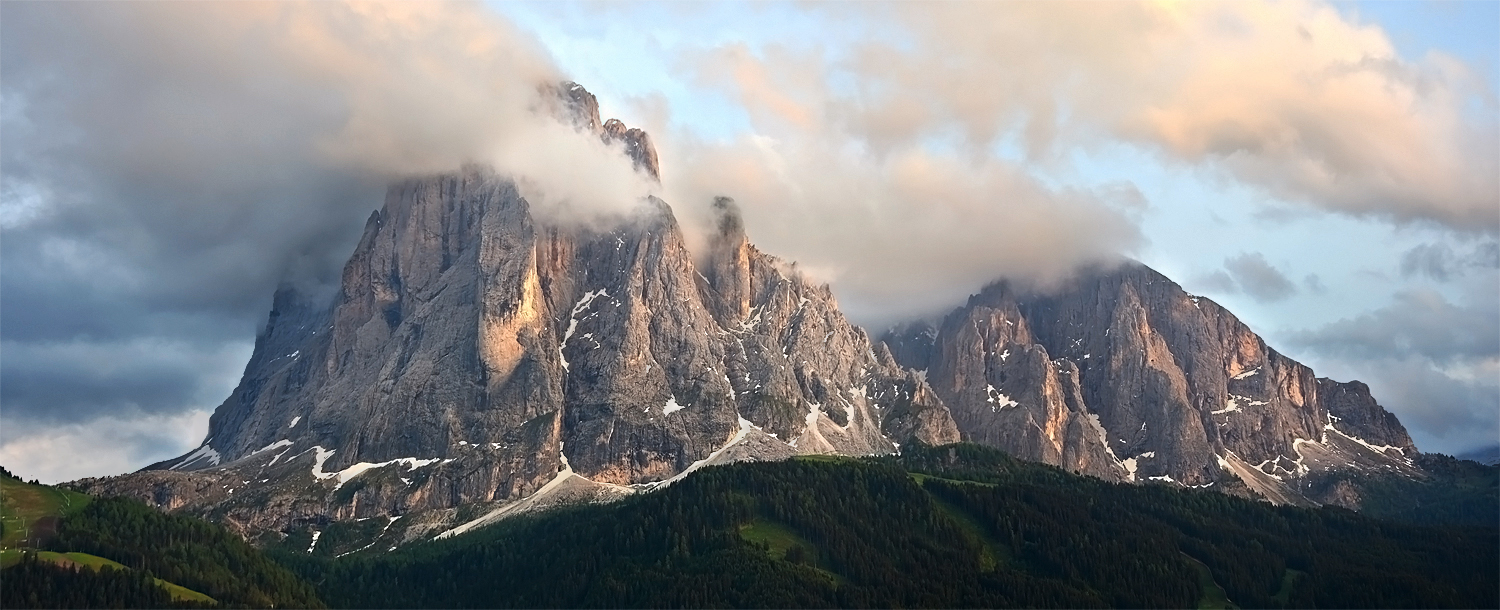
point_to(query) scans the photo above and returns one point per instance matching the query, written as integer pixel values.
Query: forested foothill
(954, 526)
(67, 550)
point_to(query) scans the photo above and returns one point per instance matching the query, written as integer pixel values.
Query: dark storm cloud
(1461, 413)
(167, 165)
(67, 382)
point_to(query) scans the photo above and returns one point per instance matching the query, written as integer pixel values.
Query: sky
(1327, 171)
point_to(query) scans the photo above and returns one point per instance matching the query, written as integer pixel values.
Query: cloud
(1251, 274)
(1311, 106)
(100, 445)
(1421, 323)
(194, 155)
(1434, 363)
(167, 165)
(1314, 284)
(1216, 281)
(1438, 261)
(1258, 278)
(902, 230)
(903, 236)
(58, 382)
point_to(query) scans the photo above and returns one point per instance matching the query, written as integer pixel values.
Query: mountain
(477, 363)
(1121, 374)
(475, 355)
(949, 527)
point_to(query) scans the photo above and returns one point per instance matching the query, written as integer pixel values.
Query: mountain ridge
(475, 356)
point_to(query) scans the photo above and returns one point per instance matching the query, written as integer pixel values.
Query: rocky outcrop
(1176, 387)
(472, 354)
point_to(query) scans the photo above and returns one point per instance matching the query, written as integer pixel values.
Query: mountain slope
(917, 531)
(105, 552)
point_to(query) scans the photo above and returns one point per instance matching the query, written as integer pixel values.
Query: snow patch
(377, 536)
(1129, 466)
(353, 471)
(739, 435)
(277, 444)
(671, 406)
(1248, 374)
(1381, 449)
(294, 421)
(314, 544)
(997, 399)
(810, 429)
(203, 453)
(562, 476)
(1229, 407)
(321, 455)
(583, 304)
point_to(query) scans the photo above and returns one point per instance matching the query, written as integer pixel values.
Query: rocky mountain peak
(473, 354)
(1175, 388)
(570, 101)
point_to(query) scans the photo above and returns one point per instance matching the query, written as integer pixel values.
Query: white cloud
(100, 446)
(1290, 96)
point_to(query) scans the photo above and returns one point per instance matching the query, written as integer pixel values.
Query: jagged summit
(474, 354)
(581, 108)
(1174, 386)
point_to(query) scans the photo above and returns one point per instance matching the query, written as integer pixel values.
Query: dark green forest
(189, 552)
(119, 553)
(959, 526)
(33, 583)
(953, 526)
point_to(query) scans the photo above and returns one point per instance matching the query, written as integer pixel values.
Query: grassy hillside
(29, 513)
(66, 549)
(957, 526)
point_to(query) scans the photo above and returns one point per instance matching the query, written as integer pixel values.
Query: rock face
(1123, 375)
(483, 354)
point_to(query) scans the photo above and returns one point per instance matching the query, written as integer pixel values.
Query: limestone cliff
(476, 355)
(1174, 387)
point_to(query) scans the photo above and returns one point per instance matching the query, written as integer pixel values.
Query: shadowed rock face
(1176, 384)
